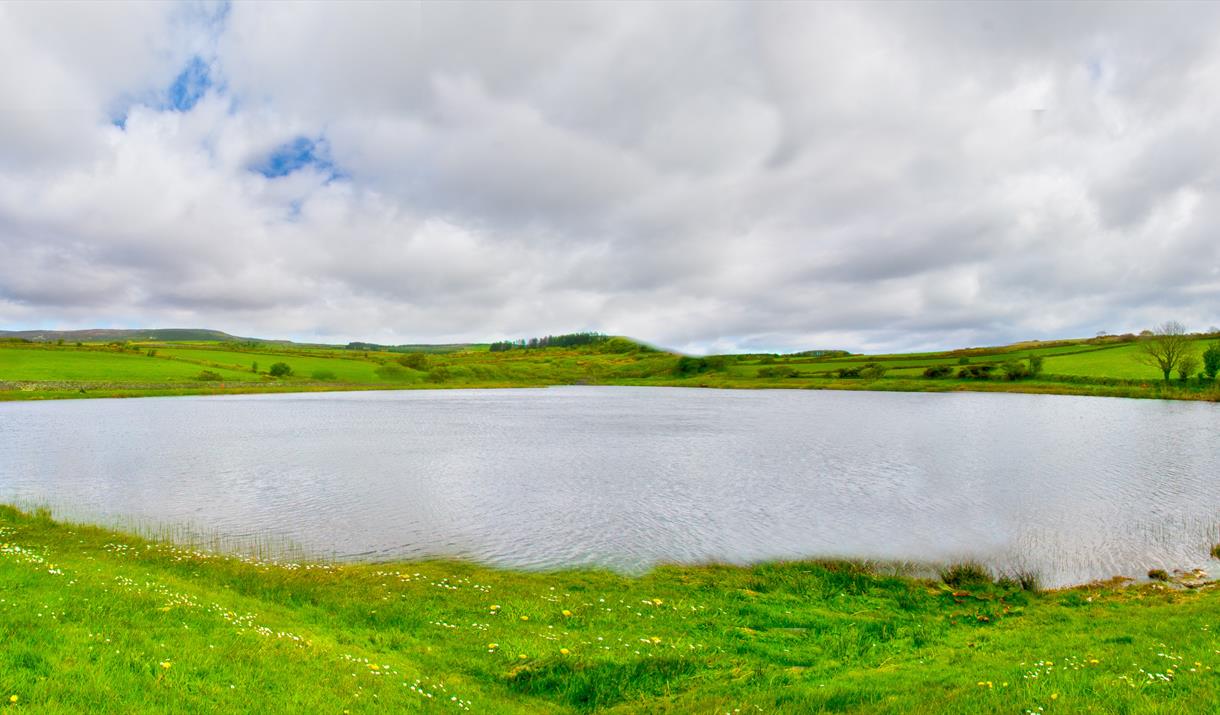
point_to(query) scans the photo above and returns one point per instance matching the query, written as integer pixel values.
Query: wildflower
(525, 618)
(523, 656)
(657, 601)
(1054, 696)
(374, 666)
(492, 646)
(13, 699)
(165, 664)
(495, 608)
(655, 639)
(566, 612)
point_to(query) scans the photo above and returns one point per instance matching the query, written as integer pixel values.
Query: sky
(706, 177)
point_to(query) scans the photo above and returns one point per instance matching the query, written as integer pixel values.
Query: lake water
(625, 477)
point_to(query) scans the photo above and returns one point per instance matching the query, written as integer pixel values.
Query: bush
(1158, 575)
(1216, 551)
(1014, 370)
(392, 372)
(209, 375)
(778, 371)
(1187, 366)
(976, 372)
(850, 373)
(151, 352)
(937, 372)
(323, 375)
(1211, 361)
(1035, 365)
(280, 369)
(687, 365)
(873, 371)
(438, 374)
(963, 361)
(415, 361)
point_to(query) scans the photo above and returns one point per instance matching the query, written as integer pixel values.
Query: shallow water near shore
(1074, 489)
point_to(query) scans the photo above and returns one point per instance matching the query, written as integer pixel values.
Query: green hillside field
(45, 370)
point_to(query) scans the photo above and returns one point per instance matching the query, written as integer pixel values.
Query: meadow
(103, 621)
(47, 370)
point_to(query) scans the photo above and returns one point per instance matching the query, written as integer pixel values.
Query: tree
(1164, 347)
(280, 369)
(254, 366)
(1211, 360)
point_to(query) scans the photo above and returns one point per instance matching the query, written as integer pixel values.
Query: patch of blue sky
(189, 86)
(298, 154)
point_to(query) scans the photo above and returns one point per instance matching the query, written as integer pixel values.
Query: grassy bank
(95, 620)
(1099, 367)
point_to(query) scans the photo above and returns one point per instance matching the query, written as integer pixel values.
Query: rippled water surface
(1074, 488)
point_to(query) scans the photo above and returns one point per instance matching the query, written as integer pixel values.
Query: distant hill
(103, 335)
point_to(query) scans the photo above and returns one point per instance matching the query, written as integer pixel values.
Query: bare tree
(1164, 348)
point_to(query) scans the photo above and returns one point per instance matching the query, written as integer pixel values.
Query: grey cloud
(720, 175)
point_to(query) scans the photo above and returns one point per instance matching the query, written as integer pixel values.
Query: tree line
(567, 340)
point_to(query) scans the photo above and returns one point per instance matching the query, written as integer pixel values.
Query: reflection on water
(1074, 488)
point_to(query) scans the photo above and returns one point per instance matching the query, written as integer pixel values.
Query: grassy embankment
(92, 620)
(1104, 367)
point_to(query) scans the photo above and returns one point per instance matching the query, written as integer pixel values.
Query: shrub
(688, 365)
(966, 573)
(438, 374)
(976, 372)
(963, 361)
(323, 375)
(778, 371)
(280, 369)
(873, 371)
(152, 352)
(1211, 361)
(1035, 365)
(1158, 575)
(415, 361)
(254, 367)
(1216, 551)
(392, 372)
(850, 373)
(938, 371)
(1187, 366)
(209, 375)
(1014, 370)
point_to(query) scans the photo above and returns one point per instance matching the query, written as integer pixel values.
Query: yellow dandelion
(566, 612)
(1054, 696)
(564, 651)
(523, 656)
(525, 618)
(166, 664)
(374, 666)
(493, 646)
(495, 608)
(655, 639)
(13, 699)
(657, 601)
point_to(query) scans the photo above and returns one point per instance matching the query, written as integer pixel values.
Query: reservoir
(1072, 488)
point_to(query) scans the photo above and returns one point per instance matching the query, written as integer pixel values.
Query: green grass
(92, 365)
(98, 621)
(46, 371)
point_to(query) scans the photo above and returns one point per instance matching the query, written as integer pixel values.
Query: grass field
(1103, 367)
(93, 620)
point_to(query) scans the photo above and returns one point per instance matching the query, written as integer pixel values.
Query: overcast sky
(707, 177)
